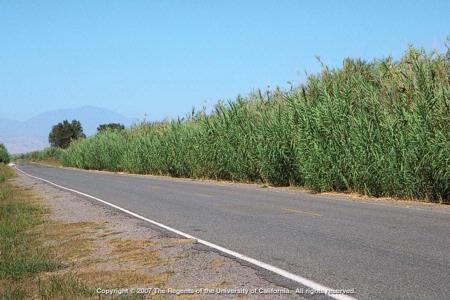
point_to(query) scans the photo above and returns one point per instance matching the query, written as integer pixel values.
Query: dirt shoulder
(103, 251)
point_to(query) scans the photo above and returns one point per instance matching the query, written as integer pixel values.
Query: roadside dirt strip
(114, 253)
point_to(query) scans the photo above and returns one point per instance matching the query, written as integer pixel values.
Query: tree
(110, 126)
(4, 155)
(64, 133)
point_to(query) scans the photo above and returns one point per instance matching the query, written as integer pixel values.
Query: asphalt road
(383, 250)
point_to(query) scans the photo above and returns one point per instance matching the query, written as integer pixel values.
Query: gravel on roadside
(186, 264)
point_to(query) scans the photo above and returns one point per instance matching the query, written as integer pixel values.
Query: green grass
(65, 287)
(379, 128)
(23, 256)
(18, 259)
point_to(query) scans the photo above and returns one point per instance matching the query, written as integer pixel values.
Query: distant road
(384, 250)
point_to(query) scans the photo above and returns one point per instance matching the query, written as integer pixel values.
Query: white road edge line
(302, 280)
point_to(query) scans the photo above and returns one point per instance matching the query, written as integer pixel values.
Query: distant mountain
(32, 134)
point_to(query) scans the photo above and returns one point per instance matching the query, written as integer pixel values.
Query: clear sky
(164, 57)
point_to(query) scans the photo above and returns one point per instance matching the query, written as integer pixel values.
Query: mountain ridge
(32, 134)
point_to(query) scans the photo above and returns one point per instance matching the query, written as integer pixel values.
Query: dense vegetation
(48, 154)
(4, 155)
(110, 126)
(379, 128)
(64, 133)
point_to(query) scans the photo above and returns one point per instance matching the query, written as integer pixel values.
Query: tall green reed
(379, 128)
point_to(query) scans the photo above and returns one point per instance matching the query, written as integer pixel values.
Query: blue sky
(161, 58)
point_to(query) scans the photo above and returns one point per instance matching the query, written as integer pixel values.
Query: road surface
(384, 250)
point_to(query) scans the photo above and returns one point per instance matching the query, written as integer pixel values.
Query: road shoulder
(107, 249)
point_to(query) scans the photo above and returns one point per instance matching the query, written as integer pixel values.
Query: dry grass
(135, 251)
(218, 262)
(78, 257)
(50, 162)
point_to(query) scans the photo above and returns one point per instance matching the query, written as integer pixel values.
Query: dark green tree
(110, 126)
(4, 155)
(64, 133)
